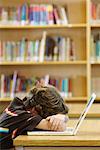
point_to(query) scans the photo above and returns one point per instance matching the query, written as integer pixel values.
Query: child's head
(46, 101)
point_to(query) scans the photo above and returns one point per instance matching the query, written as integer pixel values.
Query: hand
(57, 122)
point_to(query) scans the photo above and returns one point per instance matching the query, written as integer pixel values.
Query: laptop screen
(84, 113)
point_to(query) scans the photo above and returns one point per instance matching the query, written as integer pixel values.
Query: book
(24, 14)
(95, 12)
(92, 49)
(22, 50)
(64, 16)
(2, 85)
(57, 19)
(98, 47)
(13, 84)
(42, 47)
(50, 18)
(36, 51)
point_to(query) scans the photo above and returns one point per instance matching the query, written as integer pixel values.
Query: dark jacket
(15, 120)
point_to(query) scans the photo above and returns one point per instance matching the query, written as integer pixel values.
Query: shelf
(95, 25)
(71, 99)
(74, 99)
(6, 99)
(45, 63)
(42, 26)
(95, 63)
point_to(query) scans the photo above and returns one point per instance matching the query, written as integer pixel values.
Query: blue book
(22, 50)
(23, 14)
(66, 87)
(63, 88)
(31, 14)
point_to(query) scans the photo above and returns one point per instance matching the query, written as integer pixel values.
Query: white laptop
(69, 130)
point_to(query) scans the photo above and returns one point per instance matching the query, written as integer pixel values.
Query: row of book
(49, 48)
(95, 47)
(95, 85)
(18, 85)
(95, 11)
(33, 14)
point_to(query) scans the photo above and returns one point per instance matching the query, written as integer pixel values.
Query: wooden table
(88, 138)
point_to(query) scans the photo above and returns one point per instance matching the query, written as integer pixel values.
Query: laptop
(69, 130)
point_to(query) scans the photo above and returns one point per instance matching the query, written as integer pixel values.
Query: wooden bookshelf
(45, 63)
(79, 29)
(43, 26)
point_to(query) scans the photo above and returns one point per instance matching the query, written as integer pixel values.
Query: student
(43, 108)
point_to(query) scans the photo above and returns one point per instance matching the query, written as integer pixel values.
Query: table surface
(88, 135)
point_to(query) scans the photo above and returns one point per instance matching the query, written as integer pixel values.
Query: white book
(42, 47)
(36, 51)
(62, 46)
(64, 16)
(63, 49)
(13, 84)
(46, 80)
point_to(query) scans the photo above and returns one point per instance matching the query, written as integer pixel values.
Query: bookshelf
(94, 31)
(79, 28)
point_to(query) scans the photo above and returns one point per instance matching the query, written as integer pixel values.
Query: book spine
(93, 11)
(56, 16)
(24, 14)
(68, 47)
(43, 15)
(66, 87)
(34, 22)
(55, 55)
(98, 50)
(13, 84)
(36, 51)
(64, 16)
(50, 14)
(22, 50)
(42, 47)
(69, 87)
(72, 50)
(31, 19)
(92, 48)
(2, 85)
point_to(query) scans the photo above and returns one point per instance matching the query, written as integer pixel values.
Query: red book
(56, 16)
(70, 87)
(93, 11)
